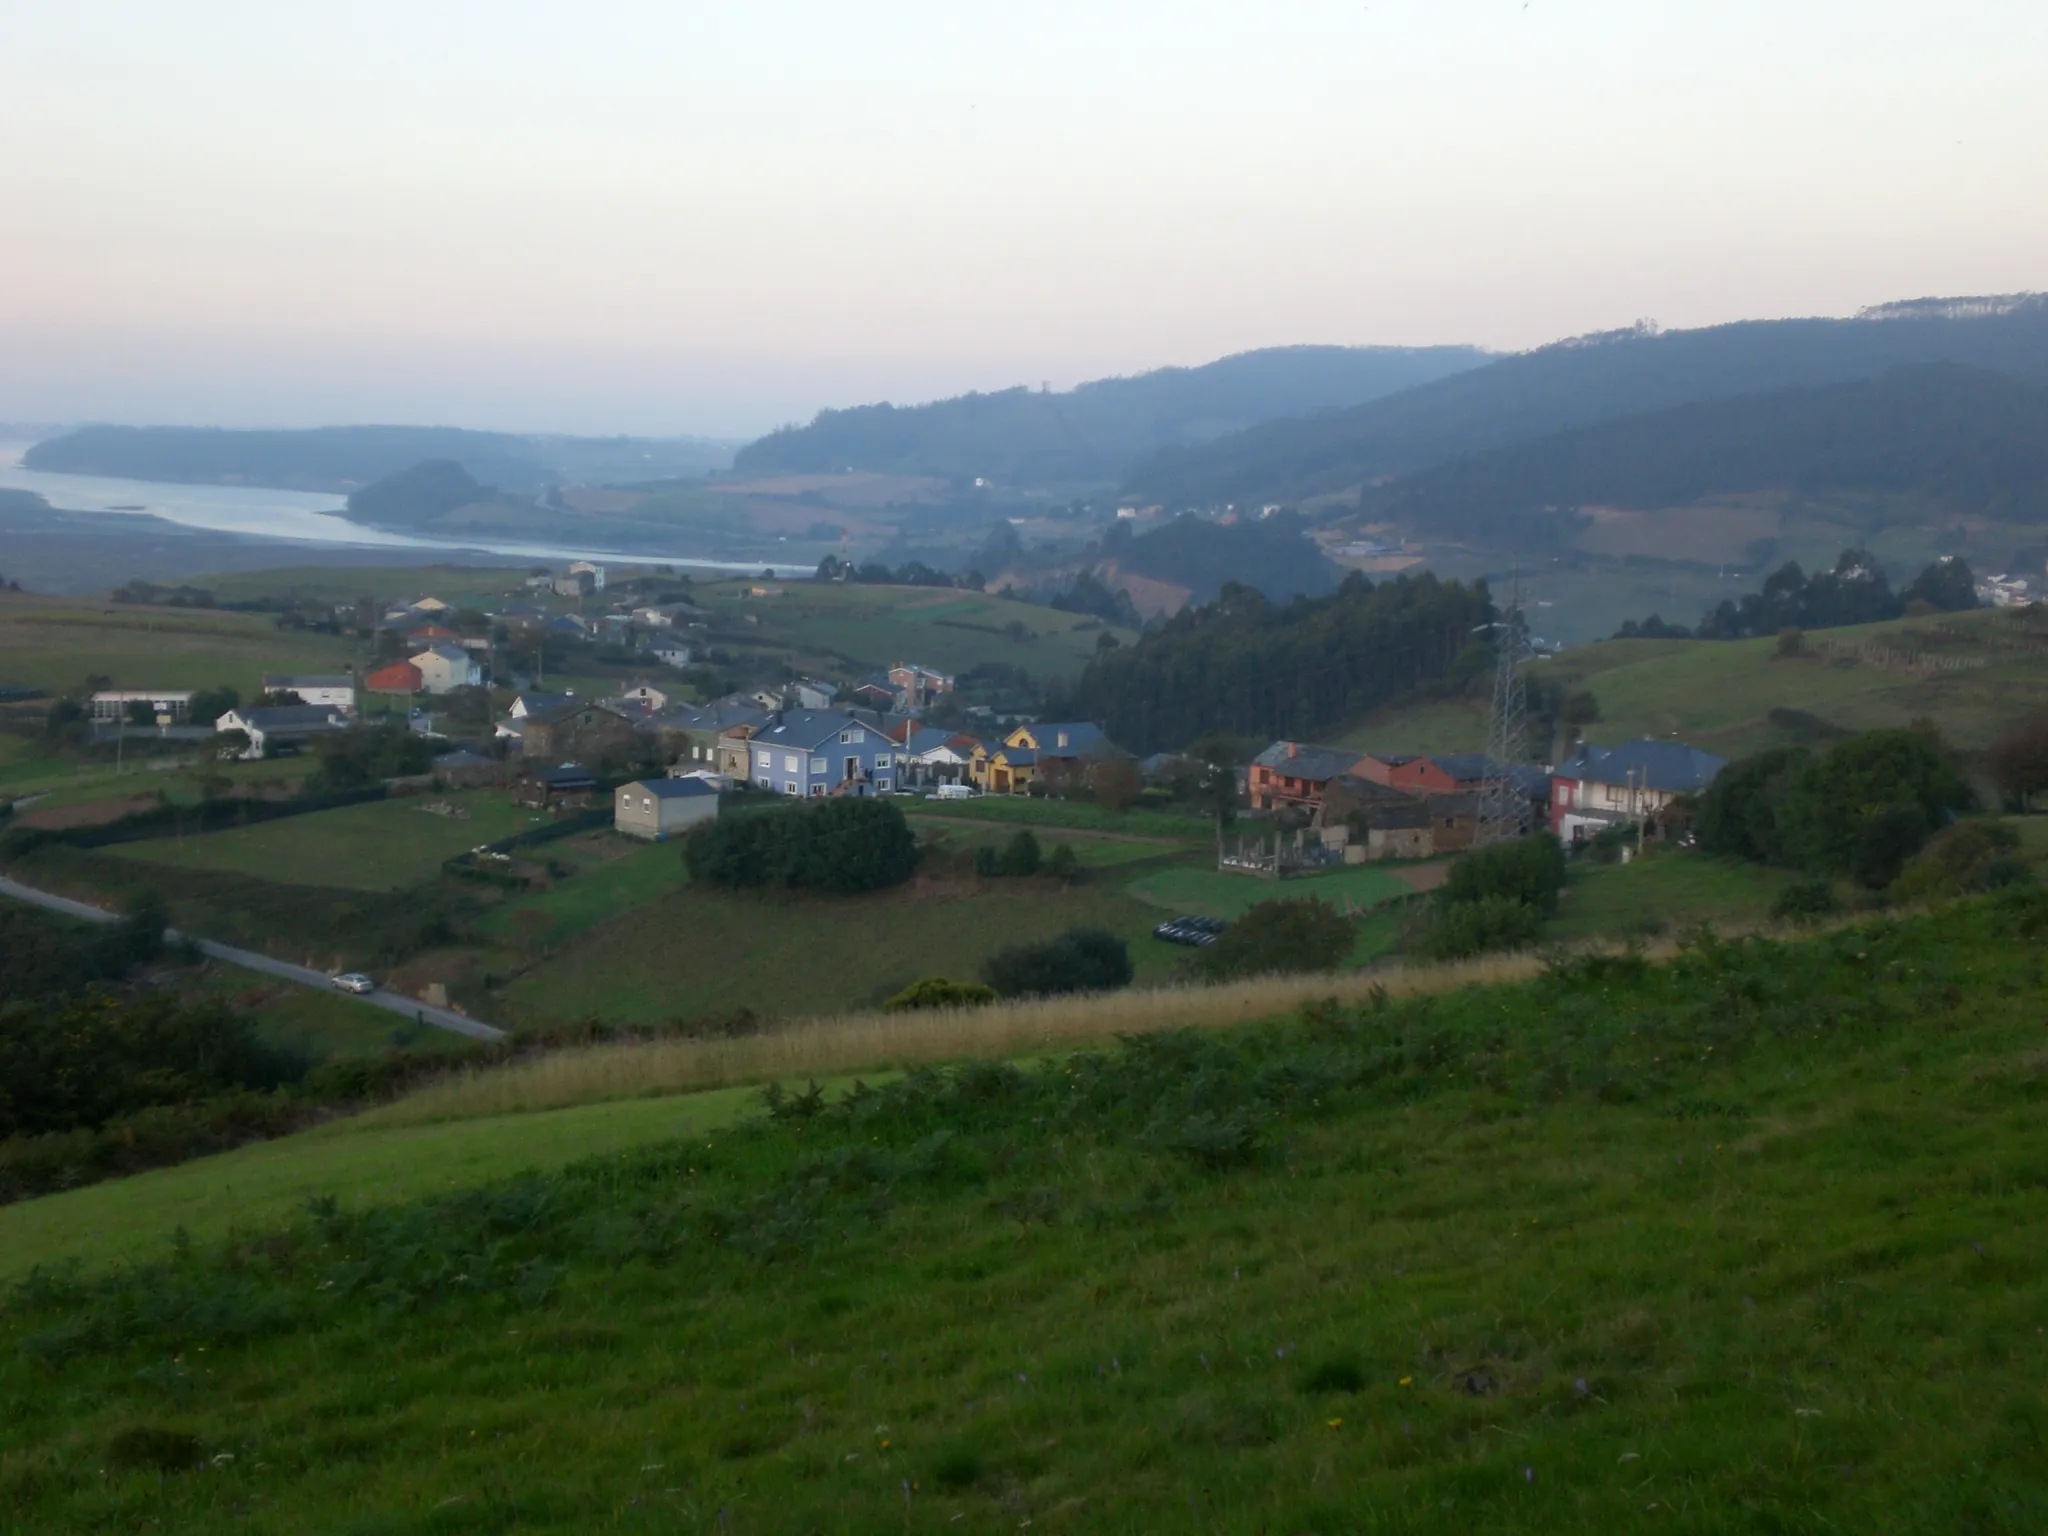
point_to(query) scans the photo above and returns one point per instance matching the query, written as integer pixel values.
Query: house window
(789, 789)
(817, 765)
(881, 786)
(791, 763)
(852, 736)
(765, 759)
(765, 782)
(817, 791)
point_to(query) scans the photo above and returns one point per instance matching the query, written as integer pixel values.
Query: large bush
(1863, 809)
(1079, 960)
(1530, 870)
(1461, 929)
(842, 845)
(1280, 936)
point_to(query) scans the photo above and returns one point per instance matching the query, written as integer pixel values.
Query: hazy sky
(671, 216)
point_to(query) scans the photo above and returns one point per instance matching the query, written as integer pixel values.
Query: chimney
(1290, 749)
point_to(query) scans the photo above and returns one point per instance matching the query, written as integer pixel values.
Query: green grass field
(937, 627)
(387, 845)
(601, 890)
(371, 1164)
(696, 953)
(1217, 893)
(1092, 850)
(1666, 891)
(1718, 695)
(56, 643)
(1081, 815)
(1754, 1241)
(340, 582)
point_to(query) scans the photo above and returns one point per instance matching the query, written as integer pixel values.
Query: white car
(356, 982)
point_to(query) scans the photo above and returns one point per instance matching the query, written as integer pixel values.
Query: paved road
(412, 1008)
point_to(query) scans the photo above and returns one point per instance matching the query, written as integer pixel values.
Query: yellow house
(1034, 751)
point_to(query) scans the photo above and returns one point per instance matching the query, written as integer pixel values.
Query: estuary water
(303, 517)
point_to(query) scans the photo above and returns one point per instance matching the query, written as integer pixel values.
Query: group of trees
(842, 846)
(913, 573)
(1856, 591)
(354, 759)
(1494, 898)
(1090, 594)
(1862, 809)
(1079, 960)
(1254, 668)
(1021, 857)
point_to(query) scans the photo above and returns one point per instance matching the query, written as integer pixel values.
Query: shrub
(985, 862)
(844, 846)
(1529, 870)
(1020, 855)
(1062, 864)
(1805, 901)
(1459, 930)
(1079, 960)
(939, 992)
(1280, 936)
(1969, 856)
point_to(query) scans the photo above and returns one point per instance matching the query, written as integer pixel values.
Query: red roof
(399, 677)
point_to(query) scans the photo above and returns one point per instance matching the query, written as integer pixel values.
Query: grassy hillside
(1753, 1240)
(1721, 695)
(56, 643)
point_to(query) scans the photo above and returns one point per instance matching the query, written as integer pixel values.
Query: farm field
(1094, 851)
(1668, 890)
(1209, 892)
(343, 583)
(875, 626)
(700, 954)
(1738, 1242)
(319, 1026)
(1720, 694)
(1081, 815)
(56, 643)
(614, 876)
(386, 845)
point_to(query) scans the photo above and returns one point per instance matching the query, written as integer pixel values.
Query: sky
(668, 216)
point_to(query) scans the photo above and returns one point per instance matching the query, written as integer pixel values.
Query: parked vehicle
(355, 982)
(1195, 932)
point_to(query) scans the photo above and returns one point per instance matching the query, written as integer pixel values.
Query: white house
(594, 572)
(331, 691)
(670, 653)
(1601, 787)
(444, 668)
(658, 808)
(645, 696)
(281, 726)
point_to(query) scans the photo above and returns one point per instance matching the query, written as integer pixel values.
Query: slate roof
(1317, 764)
(674, 789)
(278, 683)
(1084, 738)
(287, 717)
(808, 729)
(1670, 766)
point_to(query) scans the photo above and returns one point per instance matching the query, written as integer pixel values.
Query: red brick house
(1294, 773)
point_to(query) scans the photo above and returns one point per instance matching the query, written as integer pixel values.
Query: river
(302, 517)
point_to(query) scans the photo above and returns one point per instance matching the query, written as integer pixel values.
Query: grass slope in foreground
(1752, 1241)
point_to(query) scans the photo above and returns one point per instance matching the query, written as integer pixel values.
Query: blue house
(812, 753)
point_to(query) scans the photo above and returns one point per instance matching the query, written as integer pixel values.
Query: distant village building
(660, 808)
(115, 705)
(281, 728)
(333, 691)
(917, 687)
(1635, 783)
(444, 668)
(399, 677)
(586, 568)
(585, 733)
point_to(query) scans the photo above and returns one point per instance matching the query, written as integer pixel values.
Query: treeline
(1272, 554)
(1248, 667)
(1856, 591)
(912, 573)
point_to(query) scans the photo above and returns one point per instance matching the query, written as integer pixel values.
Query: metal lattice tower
(1503, 811)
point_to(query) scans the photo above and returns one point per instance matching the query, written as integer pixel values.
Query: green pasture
(1753, 1241)
(1666, 891)
(1093, 852)
(602, 889)
(357, 1159)
(702, 954)
(387, 845)
(461, 585)
(1216, 893)
(57, 644)
(1081, 815)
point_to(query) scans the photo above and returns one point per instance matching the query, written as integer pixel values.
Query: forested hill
(1580, 383)
(1274, 556)
(342, 458)
(1097, 431)
(1959, 441)
(1243, 666)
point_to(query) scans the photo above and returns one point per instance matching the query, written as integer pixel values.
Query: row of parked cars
(1196, 932)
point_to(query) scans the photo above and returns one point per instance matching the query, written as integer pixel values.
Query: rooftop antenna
(1503, 809)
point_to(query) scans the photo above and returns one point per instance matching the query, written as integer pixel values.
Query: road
(248, 959)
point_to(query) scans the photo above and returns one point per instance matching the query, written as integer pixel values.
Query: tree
(209, 704)
(1947, 585)
(1079, 960)
(1215, 784)
(844, 846)
(1115, 783)
(1062, 864)
(1866, 806)
(1530, 870)
(1280, 936)
(2018, 761)
(1738, 813)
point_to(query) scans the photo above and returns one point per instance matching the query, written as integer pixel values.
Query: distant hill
(342, 458)
(1957, 441)
(1274, 557)
(1583, 382)
(419, 496)
(1097, 431)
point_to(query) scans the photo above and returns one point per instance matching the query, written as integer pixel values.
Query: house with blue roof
(1059, 750)
(811, 753)
(1629, 785)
